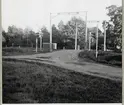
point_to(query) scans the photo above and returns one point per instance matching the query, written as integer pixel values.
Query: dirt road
(69, 59)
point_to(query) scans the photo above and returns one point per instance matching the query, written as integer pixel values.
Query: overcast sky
(36, 13)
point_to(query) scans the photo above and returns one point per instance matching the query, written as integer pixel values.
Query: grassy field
(25, 82)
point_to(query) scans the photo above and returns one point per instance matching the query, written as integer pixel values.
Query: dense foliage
(114, 27)
(64, 34)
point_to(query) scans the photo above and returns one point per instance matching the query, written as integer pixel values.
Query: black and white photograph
(61, 51)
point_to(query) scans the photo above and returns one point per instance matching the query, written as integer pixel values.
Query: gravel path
(69, 59)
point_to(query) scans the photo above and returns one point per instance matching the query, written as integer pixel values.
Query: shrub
(12, 49)
(16, 50)
(107, 57)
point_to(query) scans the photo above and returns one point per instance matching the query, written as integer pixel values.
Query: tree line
(64, 34)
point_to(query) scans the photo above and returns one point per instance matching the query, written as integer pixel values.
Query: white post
(86, 32)
(89, 41)
(76, 38)
(50, 34)
(40, 43)
(105, 36)
(36, 44)
(55, 46)
(97, 40)
(78, 47)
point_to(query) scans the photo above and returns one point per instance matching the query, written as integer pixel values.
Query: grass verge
(9, 51)
(40, 83)
(105, 57)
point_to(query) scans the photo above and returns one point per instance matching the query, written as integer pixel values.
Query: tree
(93, 31)
(27, 37)
(15, 35)
(109, 34)
(32, 38)
(58, 36)
(46, 34)
(68, 31)
(114, 26)
(20, 37)
(5, 38)
(81, 30)
(55, 34)
(61, 26)
(62, 30)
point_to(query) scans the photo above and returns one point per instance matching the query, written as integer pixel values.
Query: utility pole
(89, 41)
(40, 43)
(97, 40)
(50, 34)
(96, 35)
(40, 35)
(105, 36)
(36, 43)
(76, 37)
(86, 32)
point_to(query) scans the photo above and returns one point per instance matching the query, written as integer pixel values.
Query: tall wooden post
(89, 41)
(36, 43)
(105, 36)
(86, 32)
(76, 38)
(50, 34)
(97, 40)
(40, 43)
